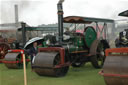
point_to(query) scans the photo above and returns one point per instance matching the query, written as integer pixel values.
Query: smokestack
(60, 1)
(23, 33)
(60, 20)
(16, 18)
(16, 13)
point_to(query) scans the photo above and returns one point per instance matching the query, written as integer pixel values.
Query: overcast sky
(36, 12)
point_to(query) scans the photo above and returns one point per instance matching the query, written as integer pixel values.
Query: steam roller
(49, 64)
(115, 69)
(14, 60)
(71, 48)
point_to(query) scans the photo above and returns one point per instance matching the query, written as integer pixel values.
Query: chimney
(16, 13)
(60, 20)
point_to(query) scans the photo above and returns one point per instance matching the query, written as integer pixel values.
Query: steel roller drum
(90, 35)
(12, 57)
(116, 65)
(45, 62)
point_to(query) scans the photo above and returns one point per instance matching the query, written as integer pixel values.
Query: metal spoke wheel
(98, 59)
(20, 64)
(3, 50)
(59, 71)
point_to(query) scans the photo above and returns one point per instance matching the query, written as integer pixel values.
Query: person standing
(33, 52)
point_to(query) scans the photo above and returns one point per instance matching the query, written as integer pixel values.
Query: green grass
(86, 75)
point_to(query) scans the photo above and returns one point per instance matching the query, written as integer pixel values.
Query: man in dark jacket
(32, 52)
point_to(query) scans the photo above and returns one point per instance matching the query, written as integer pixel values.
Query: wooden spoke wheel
(3, 50)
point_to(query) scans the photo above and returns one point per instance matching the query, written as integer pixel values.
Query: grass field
(86, 75)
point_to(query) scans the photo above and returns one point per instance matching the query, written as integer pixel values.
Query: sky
(37, 12)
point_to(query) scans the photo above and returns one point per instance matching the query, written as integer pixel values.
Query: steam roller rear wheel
(45, 62)
(13, 57)
(98, 59)
(3, 50)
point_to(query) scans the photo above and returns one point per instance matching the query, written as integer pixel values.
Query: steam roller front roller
(115, 69)
(14, 61)
(45, 64)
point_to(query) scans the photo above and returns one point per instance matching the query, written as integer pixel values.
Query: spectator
(33, 51)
